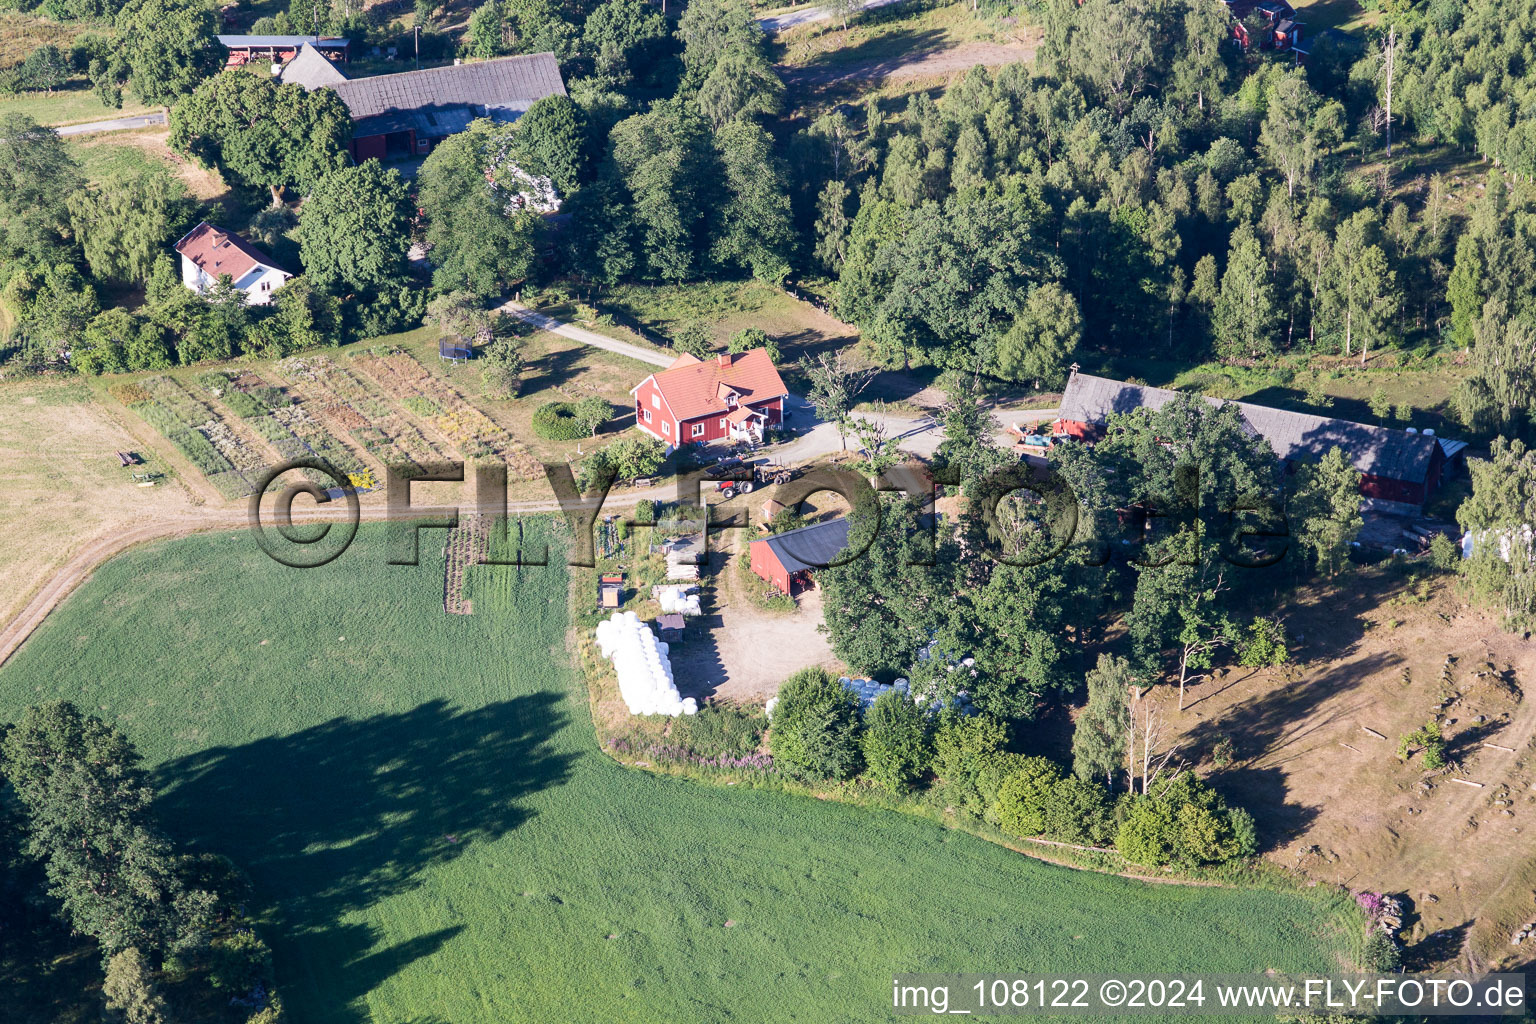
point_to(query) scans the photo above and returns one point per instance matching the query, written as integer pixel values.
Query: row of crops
(357, 407)
(474, 433)
(288, 427)
(226, 459)
(374, 400)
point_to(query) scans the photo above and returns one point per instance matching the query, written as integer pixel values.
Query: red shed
(787, 559)
(729, 397)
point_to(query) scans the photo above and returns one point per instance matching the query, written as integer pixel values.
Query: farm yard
(432, 834)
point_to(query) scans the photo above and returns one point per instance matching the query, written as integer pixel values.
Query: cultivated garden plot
(352, 404)
(472, 431)
(287, 425)
(229, 462)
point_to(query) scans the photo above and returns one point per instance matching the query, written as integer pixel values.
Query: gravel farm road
(116, 124)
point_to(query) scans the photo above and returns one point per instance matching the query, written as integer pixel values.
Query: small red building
(730, 397)
(787, 559)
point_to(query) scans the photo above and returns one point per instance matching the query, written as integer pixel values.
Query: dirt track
(921, 64)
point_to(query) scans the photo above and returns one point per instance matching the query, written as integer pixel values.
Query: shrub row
(819, 735)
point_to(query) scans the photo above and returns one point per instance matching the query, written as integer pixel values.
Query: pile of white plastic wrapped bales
(645, 672)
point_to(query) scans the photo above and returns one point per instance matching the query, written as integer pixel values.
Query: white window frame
(666, 428)
(647, 415)
(655, 400)
(697, 430)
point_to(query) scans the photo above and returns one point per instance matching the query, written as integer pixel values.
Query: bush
(962, 746)
(994, 770)
(1381, 954)
(1264, 645)
(1444, 553)
(1185, 823)
(239, 962)
(1078, 811)
(556, 421)
(748, 338)
(815, 733)
(896, 748)
(1025, 794)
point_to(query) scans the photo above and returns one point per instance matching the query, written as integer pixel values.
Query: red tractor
(734, 476)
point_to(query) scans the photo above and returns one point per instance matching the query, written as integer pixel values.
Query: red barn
(787, 559)
(725, 398)
(1398, 466)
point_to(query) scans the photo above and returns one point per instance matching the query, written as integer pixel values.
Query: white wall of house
(258, 285)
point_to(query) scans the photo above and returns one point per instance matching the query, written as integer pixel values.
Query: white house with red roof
(729, 397)
(208, 252)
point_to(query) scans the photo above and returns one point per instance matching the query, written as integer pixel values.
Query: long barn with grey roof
(409, 113)
(1398, 466)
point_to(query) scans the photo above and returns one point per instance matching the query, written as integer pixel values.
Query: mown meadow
(434, 836)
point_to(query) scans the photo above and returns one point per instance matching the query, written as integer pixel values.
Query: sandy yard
(61, 485)
(1334, 801)
(739, 651)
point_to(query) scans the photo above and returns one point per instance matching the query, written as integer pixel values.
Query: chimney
(724, 359)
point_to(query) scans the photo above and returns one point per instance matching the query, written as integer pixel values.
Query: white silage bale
(690, 706)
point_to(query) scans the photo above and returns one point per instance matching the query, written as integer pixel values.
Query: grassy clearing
(1346, 15)
(107, 154)
(882, 34)
(20, 34)
(61, 483)
(73, 104)
(433, 836)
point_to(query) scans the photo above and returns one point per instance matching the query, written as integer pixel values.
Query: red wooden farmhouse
(726, 398)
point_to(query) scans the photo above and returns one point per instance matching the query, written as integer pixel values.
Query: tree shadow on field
(334, 818)
(1281, 724)
(1263, 791)
(553, 368)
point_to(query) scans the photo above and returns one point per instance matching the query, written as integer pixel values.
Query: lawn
(434, 837)
(74, 104)
(61, 484)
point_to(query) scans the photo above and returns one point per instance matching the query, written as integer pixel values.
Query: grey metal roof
(311, 69)
(810, 547)
(441, 101)
(295, 41)
(1294, 436)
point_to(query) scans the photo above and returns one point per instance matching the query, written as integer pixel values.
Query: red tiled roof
(742, 414)
(216, 251)
(691, 387)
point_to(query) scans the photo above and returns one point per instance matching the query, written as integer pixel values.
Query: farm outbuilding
(788, 559)
(408, 113)
(281, 49)
(1398, 467)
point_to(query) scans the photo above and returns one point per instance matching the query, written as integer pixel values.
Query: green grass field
(435, 838)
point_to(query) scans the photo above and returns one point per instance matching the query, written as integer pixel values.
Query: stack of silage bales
(644, 670)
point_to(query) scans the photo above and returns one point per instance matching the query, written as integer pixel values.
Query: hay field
(434, 837)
